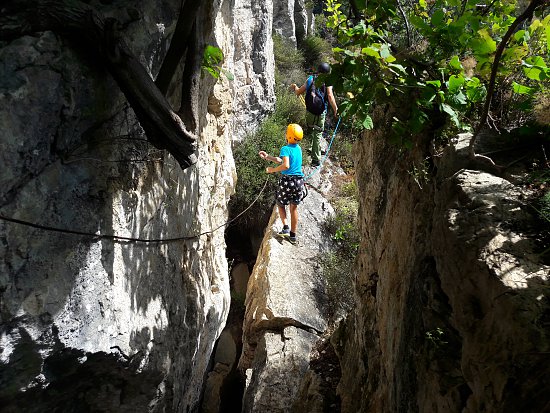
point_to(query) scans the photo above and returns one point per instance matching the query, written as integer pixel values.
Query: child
(289, 190)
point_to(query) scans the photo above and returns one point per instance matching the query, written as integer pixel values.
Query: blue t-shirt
(294, 154)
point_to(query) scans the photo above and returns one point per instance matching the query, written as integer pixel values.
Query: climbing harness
(130, 239)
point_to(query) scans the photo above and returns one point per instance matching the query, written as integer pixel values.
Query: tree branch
(87, 26)
(178, 44)
(492, 80)
(191, 81)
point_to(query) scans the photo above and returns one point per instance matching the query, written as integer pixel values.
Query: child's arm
(283, 167)
(267, 157)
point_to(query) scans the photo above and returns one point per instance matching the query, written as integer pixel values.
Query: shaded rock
(90, 324)
(451, 295)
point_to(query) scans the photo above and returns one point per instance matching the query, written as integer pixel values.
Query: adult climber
(316, 97)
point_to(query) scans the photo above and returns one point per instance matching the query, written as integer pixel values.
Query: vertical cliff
(292, 20)
(93, 323)
(452, 296)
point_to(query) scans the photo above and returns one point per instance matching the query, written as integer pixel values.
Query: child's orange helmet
(294, 133)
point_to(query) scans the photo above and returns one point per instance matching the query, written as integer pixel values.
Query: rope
(129, 239)
(326, 152)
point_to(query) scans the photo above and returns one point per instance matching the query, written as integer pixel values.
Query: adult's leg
(293, 217)
(316, 135)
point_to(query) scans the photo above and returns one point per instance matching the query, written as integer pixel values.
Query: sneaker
(292, 240)
(315, 163)
(285, 232)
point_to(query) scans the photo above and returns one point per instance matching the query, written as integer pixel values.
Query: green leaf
(436, 83)
(536, 61)
(484, 44)
(369, 51)
(212, 71)
(475, 90)
(398, 68)
(523, 90)
(350, 53)
(211, 60)
(359, 30)
(385, 51)
(213, 54)
(521, 35)
(438, 18)
(457, 99)
(535, 68)
(452, 114)
(516, 53)
(455, 63)
(420, 24)
(455, 82)
(368, 123)
(418, 120)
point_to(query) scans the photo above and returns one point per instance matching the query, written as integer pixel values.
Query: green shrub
(339, 280)
(251, 172)
(288, 109)
(315, 51)
(342, 151)
(339, 265)
(287, 58)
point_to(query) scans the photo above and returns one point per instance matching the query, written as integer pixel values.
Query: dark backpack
(315, 98)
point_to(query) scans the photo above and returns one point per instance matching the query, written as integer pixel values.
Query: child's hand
(268, 170)
(263, 154)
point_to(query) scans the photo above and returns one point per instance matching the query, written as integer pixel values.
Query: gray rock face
(291, 19)
(251, 54)
(92, 323)
(451, 297)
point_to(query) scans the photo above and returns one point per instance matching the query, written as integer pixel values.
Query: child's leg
(293, 217)
(282, 213)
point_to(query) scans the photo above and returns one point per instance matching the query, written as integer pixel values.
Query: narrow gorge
(123, 289)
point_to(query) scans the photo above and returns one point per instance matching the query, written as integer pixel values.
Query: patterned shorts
(289, 190)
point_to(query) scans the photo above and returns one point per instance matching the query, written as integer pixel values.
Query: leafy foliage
(437, 55)
(212, 60)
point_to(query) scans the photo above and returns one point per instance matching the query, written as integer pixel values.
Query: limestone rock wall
(291, 19)
(89, 323)
(452, 299)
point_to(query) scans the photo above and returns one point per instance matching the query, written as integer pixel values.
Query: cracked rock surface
(286, 305)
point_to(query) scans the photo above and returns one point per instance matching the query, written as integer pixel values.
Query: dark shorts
(289, 190)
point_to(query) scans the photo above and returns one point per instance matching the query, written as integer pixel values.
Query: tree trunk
(161, 124)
